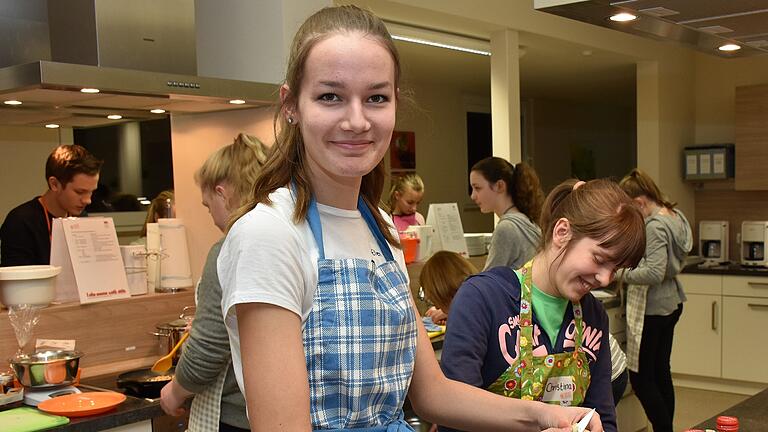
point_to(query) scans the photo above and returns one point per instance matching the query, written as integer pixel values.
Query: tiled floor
(693, 406)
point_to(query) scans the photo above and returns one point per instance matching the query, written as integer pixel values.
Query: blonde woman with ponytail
(204, 369)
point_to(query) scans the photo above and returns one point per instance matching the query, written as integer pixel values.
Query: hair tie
(578, 184)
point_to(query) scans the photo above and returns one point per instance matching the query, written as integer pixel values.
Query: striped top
(618, 359)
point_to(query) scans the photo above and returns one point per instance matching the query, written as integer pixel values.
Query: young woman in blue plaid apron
(323, 329)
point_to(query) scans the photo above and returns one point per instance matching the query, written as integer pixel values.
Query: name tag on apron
(559, 389)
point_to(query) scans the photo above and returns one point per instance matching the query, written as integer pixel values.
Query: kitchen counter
(752, 414)
(131, 412)
(732, 269)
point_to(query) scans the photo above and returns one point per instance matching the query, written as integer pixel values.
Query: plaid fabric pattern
(635, 297)
(360, 344)
(205, 411)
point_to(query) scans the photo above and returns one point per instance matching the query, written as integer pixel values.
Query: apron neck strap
(313, 218)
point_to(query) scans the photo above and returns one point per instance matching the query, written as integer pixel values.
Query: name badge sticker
(559, 389)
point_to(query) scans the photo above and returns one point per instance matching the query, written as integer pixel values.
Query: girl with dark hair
(537, 333)
(655, 299)
(323, 329)
(513, 193)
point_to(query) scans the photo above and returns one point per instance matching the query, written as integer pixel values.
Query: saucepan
(144, 383)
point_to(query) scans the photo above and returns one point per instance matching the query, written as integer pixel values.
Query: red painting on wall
(402, 151)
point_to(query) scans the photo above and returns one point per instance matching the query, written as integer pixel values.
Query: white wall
(194, 138)
(715, 83)
(246, 39)
(24, 152)
(560, 126)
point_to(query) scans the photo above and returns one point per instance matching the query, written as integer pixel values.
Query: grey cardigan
(206, 352)
(514, 241)
(667, 241)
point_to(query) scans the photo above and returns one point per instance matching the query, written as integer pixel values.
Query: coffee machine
(754, 237)
(713, 242)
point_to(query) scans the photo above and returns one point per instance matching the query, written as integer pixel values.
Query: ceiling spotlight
(12, 102)
(52, 126)
(157, 111)
(729, 47)
(623, 17)
(89, 90)
(114, 116)
(237, 101)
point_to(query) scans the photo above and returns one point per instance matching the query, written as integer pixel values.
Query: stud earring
(290, 120)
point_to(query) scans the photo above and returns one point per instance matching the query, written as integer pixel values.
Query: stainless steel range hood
(50, 93)
(140, 55)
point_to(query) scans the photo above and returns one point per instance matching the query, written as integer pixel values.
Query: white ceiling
(549, 69)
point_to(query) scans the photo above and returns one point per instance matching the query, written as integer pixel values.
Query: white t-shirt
(266, 258)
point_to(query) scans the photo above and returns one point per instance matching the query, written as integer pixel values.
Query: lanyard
(46, 213)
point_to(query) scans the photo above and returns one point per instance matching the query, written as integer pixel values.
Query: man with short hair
(72, 174)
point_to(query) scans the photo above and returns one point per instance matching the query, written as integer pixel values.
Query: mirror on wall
(137, 163)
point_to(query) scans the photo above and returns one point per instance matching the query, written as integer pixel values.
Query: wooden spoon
(165, 362)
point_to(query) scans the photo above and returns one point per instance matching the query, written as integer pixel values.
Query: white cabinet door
(744, 340)
(696, 347)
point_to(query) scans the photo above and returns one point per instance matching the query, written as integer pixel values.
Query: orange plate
(82, 404)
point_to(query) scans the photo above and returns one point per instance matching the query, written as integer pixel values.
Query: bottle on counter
(727, 424)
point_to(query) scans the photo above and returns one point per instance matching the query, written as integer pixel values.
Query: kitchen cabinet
(722, 329)
(745, 315)
(698, 334)
(751, 135)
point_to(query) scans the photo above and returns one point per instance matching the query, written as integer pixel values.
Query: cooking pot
(144, 382)
(46, 368)
(169, 334)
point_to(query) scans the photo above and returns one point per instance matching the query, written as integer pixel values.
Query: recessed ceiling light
(52, 126)
(12, 102)
(237, 101)
(729, 47)
(157, 111)
(623, 17)
(114, 116)
(89, 90)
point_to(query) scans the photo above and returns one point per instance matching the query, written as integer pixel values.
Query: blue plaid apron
(359, 339)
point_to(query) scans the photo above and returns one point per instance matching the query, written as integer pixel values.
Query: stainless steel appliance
(713, 241)
(754, 237)
(129, 52)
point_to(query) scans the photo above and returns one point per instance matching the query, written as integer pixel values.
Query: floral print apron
(555, 378)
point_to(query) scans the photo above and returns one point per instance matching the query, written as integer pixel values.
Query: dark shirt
(24, 236)
(488, 302)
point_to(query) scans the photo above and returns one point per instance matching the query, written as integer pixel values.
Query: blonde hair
(157, 205)
(442, 275)
(237, 165)
(600, 210)
(638, 183)
(287, 164)
(400, 184)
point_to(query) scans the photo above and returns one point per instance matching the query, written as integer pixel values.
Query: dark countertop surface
(731, 269)
(752, 414)
(133, 410)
